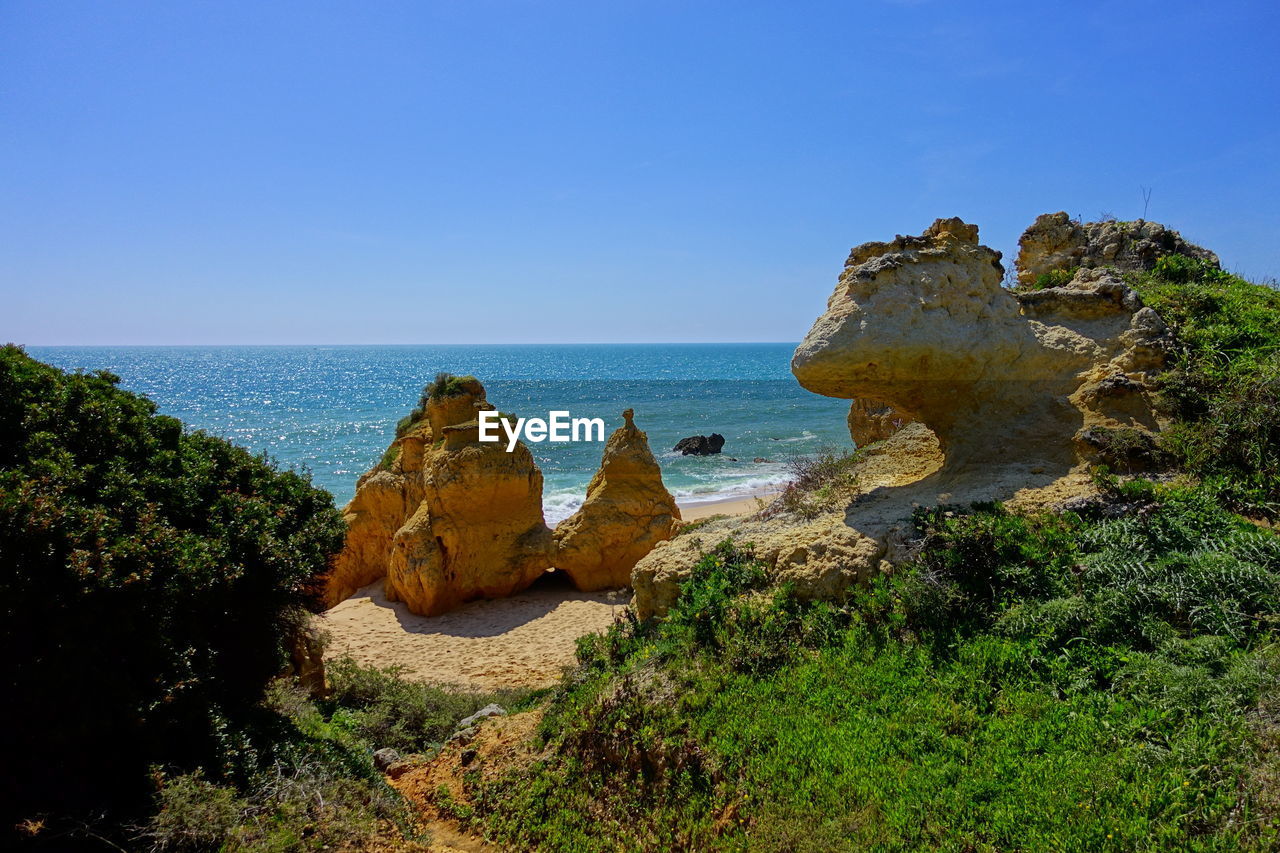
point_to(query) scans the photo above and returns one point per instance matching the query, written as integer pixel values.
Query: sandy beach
(523, 641)
(727, 506)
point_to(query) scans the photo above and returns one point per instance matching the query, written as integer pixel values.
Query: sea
(331, 410)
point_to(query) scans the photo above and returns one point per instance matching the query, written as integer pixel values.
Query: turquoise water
(333, 409)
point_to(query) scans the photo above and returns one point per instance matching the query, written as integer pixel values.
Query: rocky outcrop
(923, 325)
(1056, 242)
(627, 512)
(478, 531)
(870, 421)
(449, 519)
(1008, 393)
(700, 445)
(821, 557)
(384, 500)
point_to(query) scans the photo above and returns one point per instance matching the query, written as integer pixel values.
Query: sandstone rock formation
(1055, 242)
(478, 531)
(700, 445)
(922, 324)
(820, 557)
(626, 512)
(450, 519)
(1008, 392)
(383, 501)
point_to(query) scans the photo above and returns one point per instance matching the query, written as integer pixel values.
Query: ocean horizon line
(423, 344)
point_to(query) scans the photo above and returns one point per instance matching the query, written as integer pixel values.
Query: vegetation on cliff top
(443, 386)
(1223, 390)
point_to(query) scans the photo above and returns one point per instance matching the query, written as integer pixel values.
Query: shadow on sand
(486, 618)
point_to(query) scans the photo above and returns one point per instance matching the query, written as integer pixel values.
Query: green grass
(1060, 682)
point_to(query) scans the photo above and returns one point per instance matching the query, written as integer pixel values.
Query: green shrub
(1223, 388)
(151, 578)
(409, 421)
(1073, 682)
(1128, 450)
(314, 788)
(445, 385)
(1054, 278)
(382, 709)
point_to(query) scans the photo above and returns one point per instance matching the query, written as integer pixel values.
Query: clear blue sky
(475, 172)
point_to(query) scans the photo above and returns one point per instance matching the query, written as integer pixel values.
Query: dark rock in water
(761, 459)
(700, 445)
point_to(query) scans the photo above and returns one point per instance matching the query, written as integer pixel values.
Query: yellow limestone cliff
(626, 513)
(1006, 394)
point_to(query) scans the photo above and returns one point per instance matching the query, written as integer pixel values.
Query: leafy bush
(1177, 567)
(313, 787)
(295, 807)
(151, 578)
(383, 709)
(1126, 449)
(445, 385)
(1223, 390)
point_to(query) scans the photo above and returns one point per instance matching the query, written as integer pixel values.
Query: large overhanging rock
(922, 324)
(627, 511)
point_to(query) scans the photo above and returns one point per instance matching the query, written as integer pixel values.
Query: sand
(523, 641)
(728, 506)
